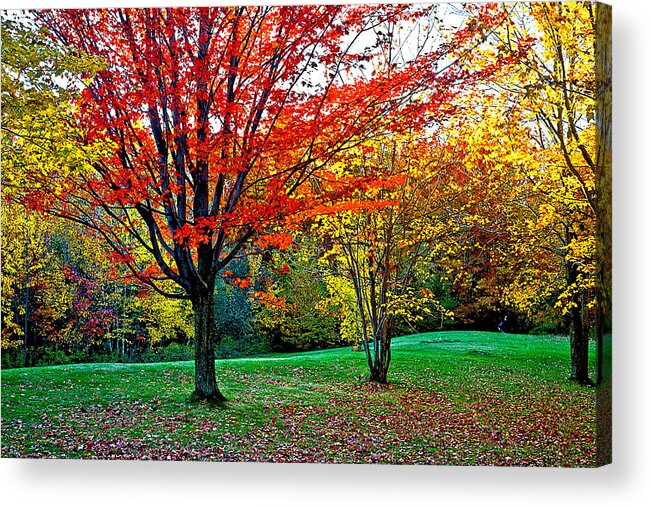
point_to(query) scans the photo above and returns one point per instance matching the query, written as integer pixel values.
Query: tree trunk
(379, 373)
(579, 348)
(578, 335)
(204, 349)
(382, 357)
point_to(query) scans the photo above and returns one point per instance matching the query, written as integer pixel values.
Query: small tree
(382, 239)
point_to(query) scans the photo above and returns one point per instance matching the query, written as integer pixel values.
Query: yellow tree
(36, 137)
(51, 266)
(34, 294)
(381, 239)
(552, 84)
(498, 261)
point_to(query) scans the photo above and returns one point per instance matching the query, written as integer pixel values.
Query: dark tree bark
(578, 336)
(379, 365)
(204, 349)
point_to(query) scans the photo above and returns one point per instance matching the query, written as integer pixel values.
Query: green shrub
(247, 345)
(12, 358)
(50, 357)
(546, 327)
(168, 353)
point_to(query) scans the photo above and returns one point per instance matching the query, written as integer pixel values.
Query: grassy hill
(456, 398)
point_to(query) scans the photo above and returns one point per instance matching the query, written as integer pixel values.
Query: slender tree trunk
(380, 367)
(579, 348)
(578, 335)
(204, 349)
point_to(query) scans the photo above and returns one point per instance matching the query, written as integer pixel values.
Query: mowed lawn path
(455, 398)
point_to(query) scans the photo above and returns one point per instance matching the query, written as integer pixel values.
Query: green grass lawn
(455, 398)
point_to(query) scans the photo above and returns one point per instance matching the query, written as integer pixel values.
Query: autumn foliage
(325, 173)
